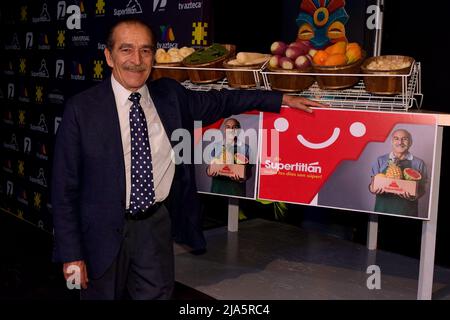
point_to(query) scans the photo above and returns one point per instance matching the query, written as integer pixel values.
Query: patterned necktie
(142, 188)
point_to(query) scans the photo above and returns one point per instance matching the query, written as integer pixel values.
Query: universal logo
(80, 39)
(40, 179)
(41, 126)
(100, 8)
(12, 145)
(56, 97)
(133, 7)
(15, 44)
(43, 42)
(189, 4)
(43, 71)
(44, 16)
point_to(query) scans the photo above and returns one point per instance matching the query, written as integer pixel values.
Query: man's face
(231, 129)
(401, 142)
(131, 57)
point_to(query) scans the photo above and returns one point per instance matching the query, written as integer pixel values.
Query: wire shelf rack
(354, 98)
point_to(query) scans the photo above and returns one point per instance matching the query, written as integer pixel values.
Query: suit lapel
(165, 107)
(111, 125)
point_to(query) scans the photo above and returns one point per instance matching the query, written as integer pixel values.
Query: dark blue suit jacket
(88, 184)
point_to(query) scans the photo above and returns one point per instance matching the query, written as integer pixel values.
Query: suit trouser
(144, 267)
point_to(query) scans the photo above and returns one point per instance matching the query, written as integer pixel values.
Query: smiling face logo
(308, 148)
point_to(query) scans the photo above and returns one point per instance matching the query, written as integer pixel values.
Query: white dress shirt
(161, 150)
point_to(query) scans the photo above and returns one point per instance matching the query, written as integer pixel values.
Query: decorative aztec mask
(322, 22)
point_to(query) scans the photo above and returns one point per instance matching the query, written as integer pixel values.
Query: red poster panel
(359, 160)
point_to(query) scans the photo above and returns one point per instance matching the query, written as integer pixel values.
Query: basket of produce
(243, 70)
(397, 66)
(287, 65)
(339, 61)
(171, 59)
(211, 57)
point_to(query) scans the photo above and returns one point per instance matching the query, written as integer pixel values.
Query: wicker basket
(339, 81)
(177, 74)
(386, 85)
(198, 76)
(290, 80)
(242, 79)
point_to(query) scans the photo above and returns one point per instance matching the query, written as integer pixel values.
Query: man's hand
(406, 195)
(301, 103)
(80, 265)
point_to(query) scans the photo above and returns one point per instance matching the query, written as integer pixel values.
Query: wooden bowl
(385, 84)
(290, 80)
(338, 81)
(177, 74)
(198, 76)
(242, 79)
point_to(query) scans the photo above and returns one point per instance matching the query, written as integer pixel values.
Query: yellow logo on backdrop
(100, 7)
(23, 13)
(23, 66)
(37, 200)
(199, 34)
(61, 39)
(39, 94)
(98, 69)
(21, 168)
(22, 117)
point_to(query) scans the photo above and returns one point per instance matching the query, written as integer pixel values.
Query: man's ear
(109, 59)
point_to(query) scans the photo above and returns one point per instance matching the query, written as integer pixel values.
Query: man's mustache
(135, 67)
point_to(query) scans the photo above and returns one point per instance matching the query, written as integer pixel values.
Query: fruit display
(338, 54)
(388, 64)
(172, 55)
(206, 55)
(249, 58)
(411, 174)
(394, 171)
(297, 55)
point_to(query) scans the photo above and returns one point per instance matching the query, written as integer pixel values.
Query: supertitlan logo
(43, 71)
(44, 16)
(40, 179)
(15, 44)
(133, 7)
(41, 126)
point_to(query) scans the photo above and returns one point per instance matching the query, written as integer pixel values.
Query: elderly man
(403, 203)
(118, 198)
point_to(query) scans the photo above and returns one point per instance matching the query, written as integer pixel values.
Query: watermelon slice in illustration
(411, 174)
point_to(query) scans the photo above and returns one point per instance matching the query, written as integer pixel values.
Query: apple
(274, 62)
(304, 46)
(286, 63)
(302, 63)
(312, 52)
(278, 48)
(294, 52)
